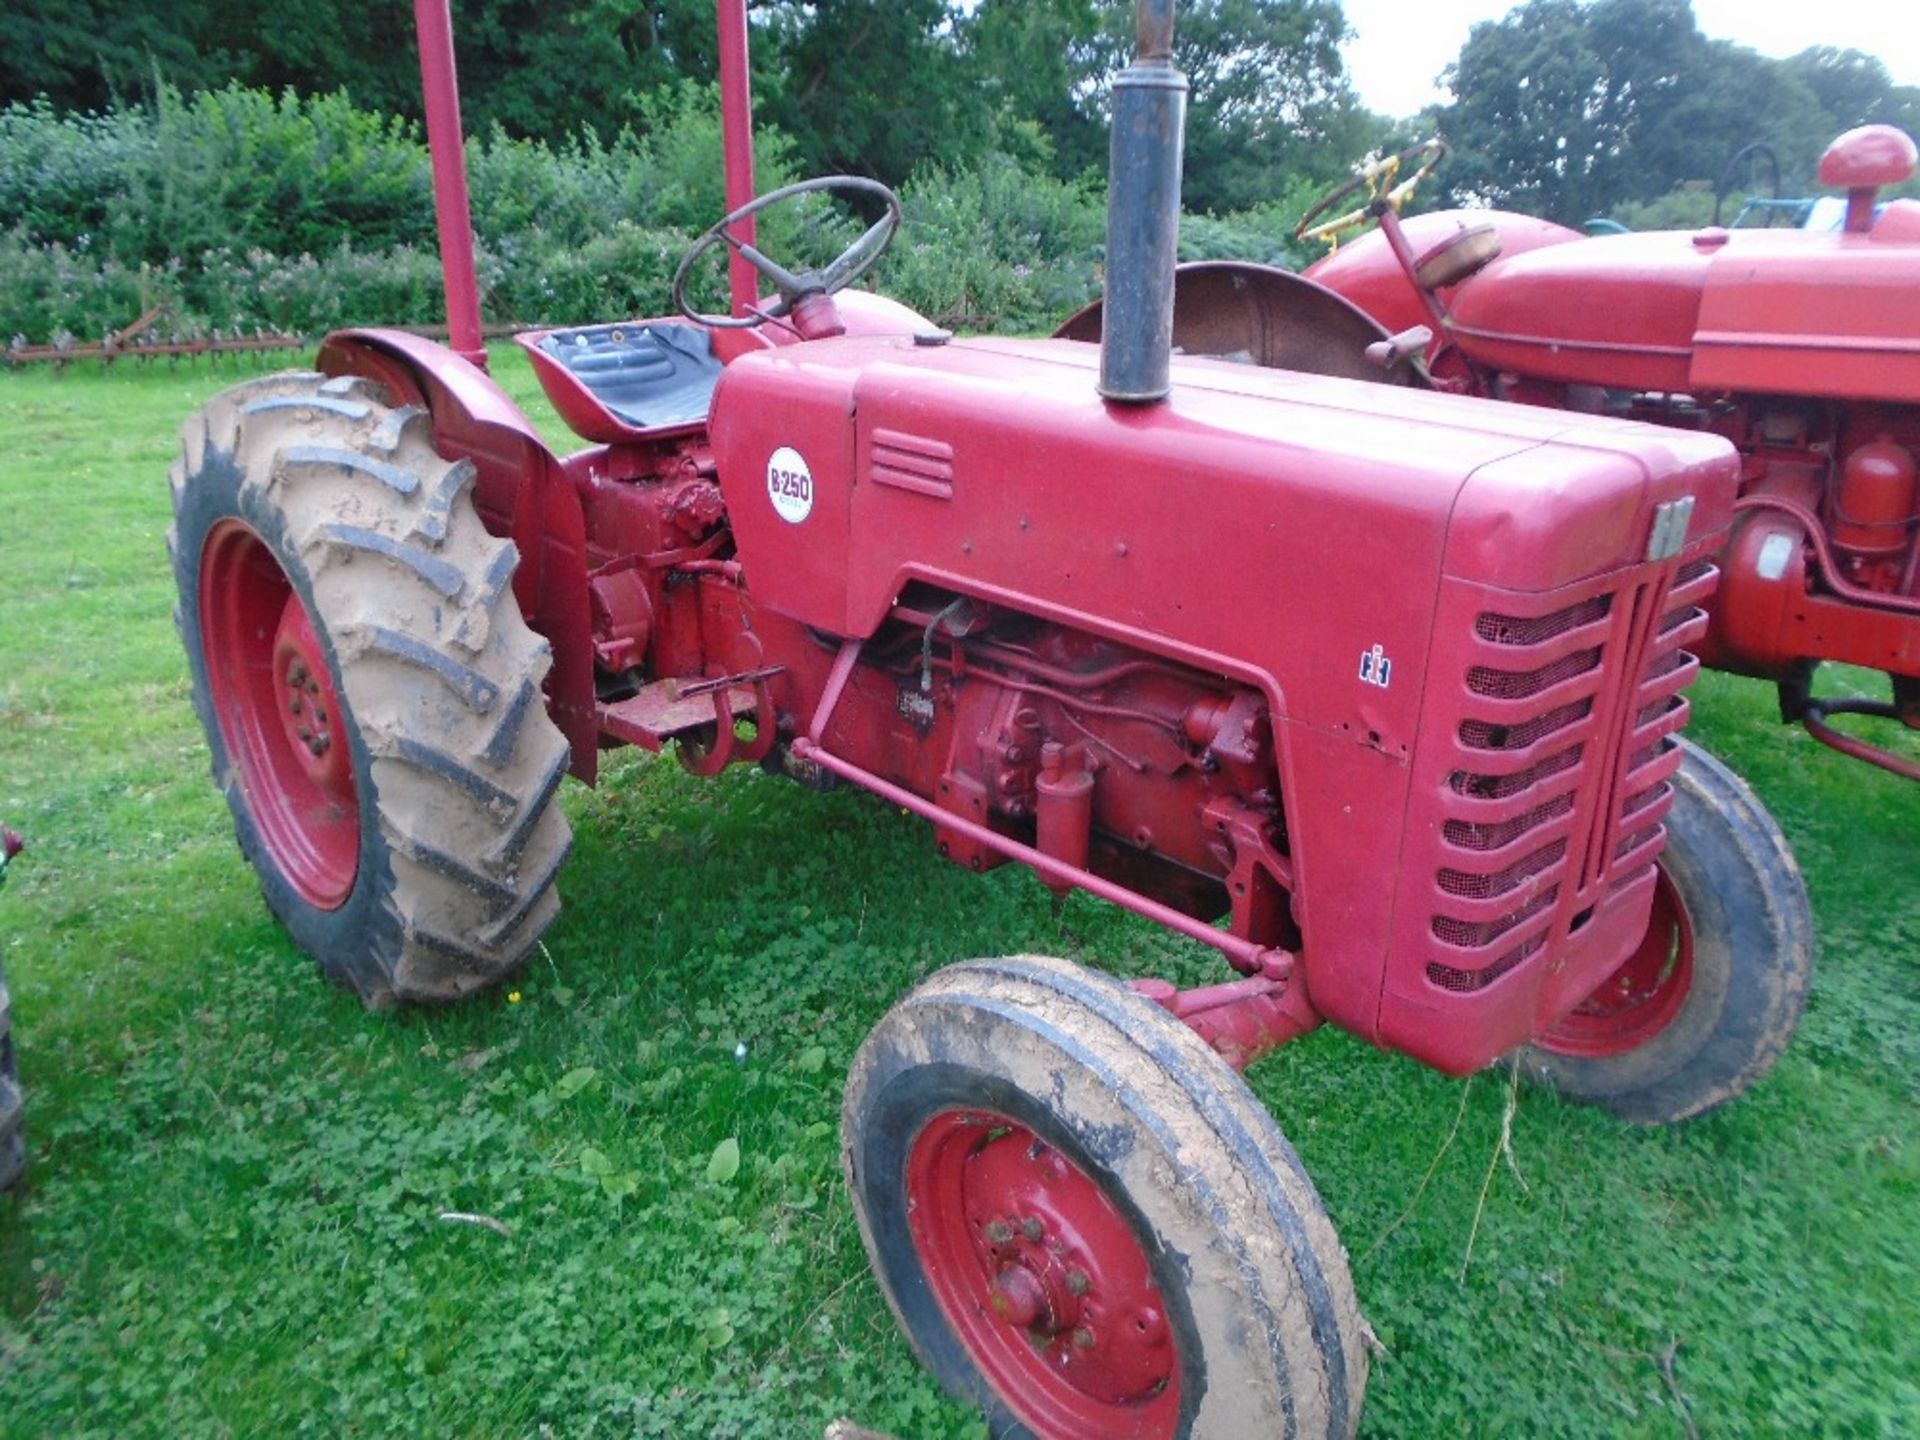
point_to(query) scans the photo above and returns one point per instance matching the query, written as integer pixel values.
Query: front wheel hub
(1043, 1279)
(1642, 997)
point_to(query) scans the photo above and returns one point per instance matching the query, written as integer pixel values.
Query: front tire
(1085, 1223)
(370, 693)
(1710, 1000)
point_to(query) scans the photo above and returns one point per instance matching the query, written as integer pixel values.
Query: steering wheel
(845, 268)
(1758, 150)
(1378, 178)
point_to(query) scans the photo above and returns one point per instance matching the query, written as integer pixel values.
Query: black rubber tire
(455, 760)
(1257, 1289)
(1746, 901)
(13, 1144)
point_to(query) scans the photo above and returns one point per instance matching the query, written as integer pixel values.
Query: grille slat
(1502, 787)
(1498, 835)
(1527, 630)
(1469, 886)
(1497, 684)
(1479, 934)
(1486, 735)
(1466, 982)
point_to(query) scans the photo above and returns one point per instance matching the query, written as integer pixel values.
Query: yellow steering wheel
(1377, 178)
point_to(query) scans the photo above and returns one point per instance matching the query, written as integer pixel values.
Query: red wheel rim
(1043, 1280)
(1640, 999)
(282, 724)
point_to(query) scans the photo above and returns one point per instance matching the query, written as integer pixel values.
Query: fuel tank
(1365, 271)
(1437, 597)
(1785, 312)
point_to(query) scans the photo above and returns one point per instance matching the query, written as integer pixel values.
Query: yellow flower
(513, 997)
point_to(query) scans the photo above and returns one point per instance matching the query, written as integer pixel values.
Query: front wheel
(1086, 1224)
(1708, 1002)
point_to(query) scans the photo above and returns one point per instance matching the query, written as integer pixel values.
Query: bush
(241, 210)
(63, 176)
(996, 248)
(49, 292)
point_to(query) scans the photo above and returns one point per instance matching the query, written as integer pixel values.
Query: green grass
(231, 1220)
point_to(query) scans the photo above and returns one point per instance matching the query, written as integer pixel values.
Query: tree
(537, 69)
(1566, 109)
(1034, 65)
(82, 53)
(1269, 97)
(871, 87)
(1550, 102)
(1853, 88)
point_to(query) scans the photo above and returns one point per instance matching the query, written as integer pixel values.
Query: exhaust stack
(1143, 214)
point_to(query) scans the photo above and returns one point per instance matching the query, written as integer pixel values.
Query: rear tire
(1034, 1152)
(369, 691)
(13, 1144)
(1714, 996)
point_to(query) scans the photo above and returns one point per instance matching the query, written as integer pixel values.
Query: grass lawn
(230, 1223)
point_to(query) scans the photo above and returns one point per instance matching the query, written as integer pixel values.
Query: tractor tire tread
(13, 1148)
(438, 672)
(1299, 1345)
(1753, 961)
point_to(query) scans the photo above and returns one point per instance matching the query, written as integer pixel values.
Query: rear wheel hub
(282, 724)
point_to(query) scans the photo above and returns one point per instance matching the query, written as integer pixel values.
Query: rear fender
(1263, 316)
(521, 490)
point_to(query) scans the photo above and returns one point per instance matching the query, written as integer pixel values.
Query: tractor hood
(1290, 521)
(1768, 311)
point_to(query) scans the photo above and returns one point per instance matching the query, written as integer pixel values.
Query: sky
(1401, 46)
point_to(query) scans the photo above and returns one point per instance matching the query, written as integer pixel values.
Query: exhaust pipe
(1143, 214)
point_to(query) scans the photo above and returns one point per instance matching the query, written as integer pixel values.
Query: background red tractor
(1376, 693)
(1802, 347)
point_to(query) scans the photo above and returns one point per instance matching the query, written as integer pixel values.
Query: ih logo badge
(1375, 667)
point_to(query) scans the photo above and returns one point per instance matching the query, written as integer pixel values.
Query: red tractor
(1801, 347)
(1375, 692)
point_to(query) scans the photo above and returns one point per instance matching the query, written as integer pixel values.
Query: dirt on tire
(1257, 1279)
(455, 760)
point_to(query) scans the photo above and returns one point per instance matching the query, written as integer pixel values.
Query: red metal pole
(433, 21)
(736, 128)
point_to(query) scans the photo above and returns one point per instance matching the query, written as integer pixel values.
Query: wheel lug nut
(1083, 1338)
(999, 1232)
(1077, 1282)
(1032, 1228)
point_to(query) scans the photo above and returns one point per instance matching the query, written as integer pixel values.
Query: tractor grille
(1558, 775)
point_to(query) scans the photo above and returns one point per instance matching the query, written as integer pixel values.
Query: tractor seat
(643, 377)
(1465, 252)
